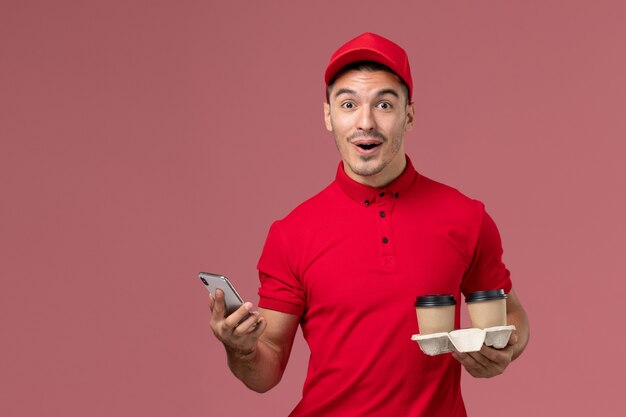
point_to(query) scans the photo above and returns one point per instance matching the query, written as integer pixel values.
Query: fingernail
(247, 306)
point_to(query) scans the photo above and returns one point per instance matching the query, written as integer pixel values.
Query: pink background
(144, 141)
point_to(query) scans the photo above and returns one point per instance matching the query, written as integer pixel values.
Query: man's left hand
(487, 362)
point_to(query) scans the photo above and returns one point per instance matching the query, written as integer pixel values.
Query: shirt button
(382, 214)
(397, 195)
(367, 202)
(382, 194)
(385, 240)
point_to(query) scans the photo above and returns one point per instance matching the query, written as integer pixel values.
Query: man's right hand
(257, 343)
(240, 331)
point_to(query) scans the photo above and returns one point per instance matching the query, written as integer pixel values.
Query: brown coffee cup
(435, 313)
(487, 308)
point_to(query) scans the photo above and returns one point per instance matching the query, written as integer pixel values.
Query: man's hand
(487, 362)
(257, 343)
(240, 331)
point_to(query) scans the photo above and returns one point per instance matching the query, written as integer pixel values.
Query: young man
(347, 264)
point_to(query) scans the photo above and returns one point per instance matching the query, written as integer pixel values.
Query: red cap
(371, 47)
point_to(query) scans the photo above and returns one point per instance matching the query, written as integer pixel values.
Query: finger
(247, 325)
(218, 305)
(457, 355)
(499, 359)
(486, 356)
(470, 364)
(466, 360)
(260, 327)
(513, 339)
(238, 316)
(463, 357)
(211, 301)
(502, 357)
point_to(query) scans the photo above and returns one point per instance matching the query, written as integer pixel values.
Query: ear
(329, 125)
(410, 117)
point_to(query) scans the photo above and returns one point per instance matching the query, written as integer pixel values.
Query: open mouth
(368, 146)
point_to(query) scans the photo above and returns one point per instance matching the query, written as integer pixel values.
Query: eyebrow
(388, 91)
(381, 93)
(344, 91)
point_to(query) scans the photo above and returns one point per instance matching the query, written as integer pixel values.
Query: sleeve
(486, 270)
(280, 289)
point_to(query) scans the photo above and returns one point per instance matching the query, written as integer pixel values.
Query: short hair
(371, 66)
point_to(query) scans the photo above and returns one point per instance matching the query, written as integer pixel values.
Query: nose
(366, 119)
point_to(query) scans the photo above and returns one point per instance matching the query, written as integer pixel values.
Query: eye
(347, 105)
(384, 105)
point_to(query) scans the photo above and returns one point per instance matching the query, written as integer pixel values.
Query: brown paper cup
(435, 313)
(487, 308)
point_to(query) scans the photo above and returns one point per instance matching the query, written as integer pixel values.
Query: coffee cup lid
(435, 300)
(485, 296)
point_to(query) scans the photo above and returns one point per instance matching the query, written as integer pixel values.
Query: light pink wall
(141, 142)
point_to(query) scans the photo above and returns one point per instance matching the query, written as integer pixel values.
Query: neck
(386, 176)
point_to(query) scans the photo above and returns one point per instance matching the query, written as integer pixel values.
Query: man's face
(368, 113)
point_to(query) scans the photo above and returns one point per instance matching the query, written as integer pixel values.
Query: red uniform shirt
(350, 262)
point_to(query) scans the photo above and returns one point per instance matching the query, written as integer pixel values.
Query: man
(347, 264)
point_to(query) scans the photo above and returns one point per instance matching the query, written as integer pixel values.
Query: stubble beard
(368, 170)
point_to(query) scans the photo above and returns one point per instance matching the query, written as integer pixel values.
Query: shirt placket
(384, 207)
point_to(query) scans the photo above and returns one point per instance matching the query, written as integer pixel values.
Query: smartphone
(232, 299)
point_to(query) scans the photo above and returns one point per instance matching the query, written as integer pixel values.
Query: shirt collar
(366, 195)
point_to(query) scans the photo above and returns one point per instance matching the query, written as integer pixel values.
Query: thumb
(218, 304)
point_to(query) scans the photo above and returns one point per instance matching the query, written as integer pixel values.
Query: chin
(367, 170)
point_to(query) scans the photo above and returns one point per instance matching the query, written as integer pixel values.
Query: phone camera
(204, 281)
